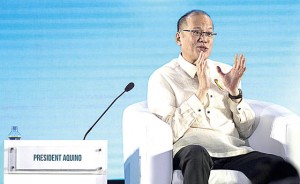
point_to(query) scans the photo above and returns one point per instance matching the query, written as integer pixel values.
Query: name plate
(58, 159)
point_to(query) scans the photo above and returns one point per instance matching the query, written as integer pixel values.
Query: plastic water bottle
(14, 133)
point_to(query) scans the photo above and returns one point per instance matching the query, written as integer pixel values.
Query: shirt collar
(188, 67)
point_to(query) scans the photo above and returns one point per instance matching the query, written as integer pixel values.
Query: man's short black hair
(182, 19)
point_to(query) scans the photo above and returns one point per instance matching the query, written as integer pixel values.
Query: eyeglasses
(196, 32)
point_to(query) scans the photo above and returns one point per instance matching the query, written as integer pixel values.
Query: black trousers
(261, 168)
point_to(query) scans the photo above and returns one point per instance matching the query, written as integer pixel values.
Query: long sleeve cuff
(236, 108)
(196, 105)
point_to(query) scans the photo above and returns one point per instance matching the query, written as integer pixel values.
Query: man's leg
(259, 167)
(195, 164)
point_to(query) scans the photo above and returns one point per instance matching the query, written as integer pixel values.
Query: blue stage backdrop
(63, 62)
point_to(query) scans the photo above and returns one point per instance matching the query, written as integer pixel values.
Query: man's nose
(202, 38)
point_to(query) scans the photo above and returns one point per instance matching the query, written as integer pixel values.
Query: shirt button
(199, 110)
(208, 112)
(239, 108)
(211, 96)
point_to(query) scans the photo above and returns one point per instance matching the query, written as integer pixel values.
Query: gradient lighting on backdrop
(63, 62)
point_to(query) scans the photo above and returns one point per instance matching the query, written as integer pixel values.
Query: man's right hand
(203, 78)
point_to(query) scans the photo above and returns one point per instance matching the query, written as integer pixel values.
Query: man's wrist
(235, 97)
(201, 95)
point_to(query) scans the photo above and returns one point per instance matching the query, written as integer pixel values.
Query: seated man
(202, 102)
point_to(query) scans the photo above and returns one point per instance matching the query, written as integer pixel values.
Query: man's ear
(178, 39)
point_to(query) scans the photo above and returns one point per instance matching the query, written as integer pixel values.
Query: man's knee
(197, 153)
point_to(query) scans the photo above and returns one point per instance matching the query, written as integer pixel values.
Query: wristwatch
(240, 95)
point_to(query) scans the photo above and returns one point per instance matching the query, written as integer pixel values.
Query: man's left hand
(232, 79)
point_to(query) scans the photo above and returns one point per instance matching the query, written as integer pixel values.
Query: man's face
(192, 45)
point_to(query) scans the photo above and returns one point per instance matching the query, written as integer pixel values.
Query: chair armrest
(147, 146)
(293, 146)
(277, 130)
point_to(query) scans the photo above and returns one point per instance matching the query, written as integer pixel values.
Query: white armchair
(147, 144)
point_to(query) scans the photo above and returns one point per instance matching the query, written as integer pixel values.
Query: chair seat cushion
(217, 177)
